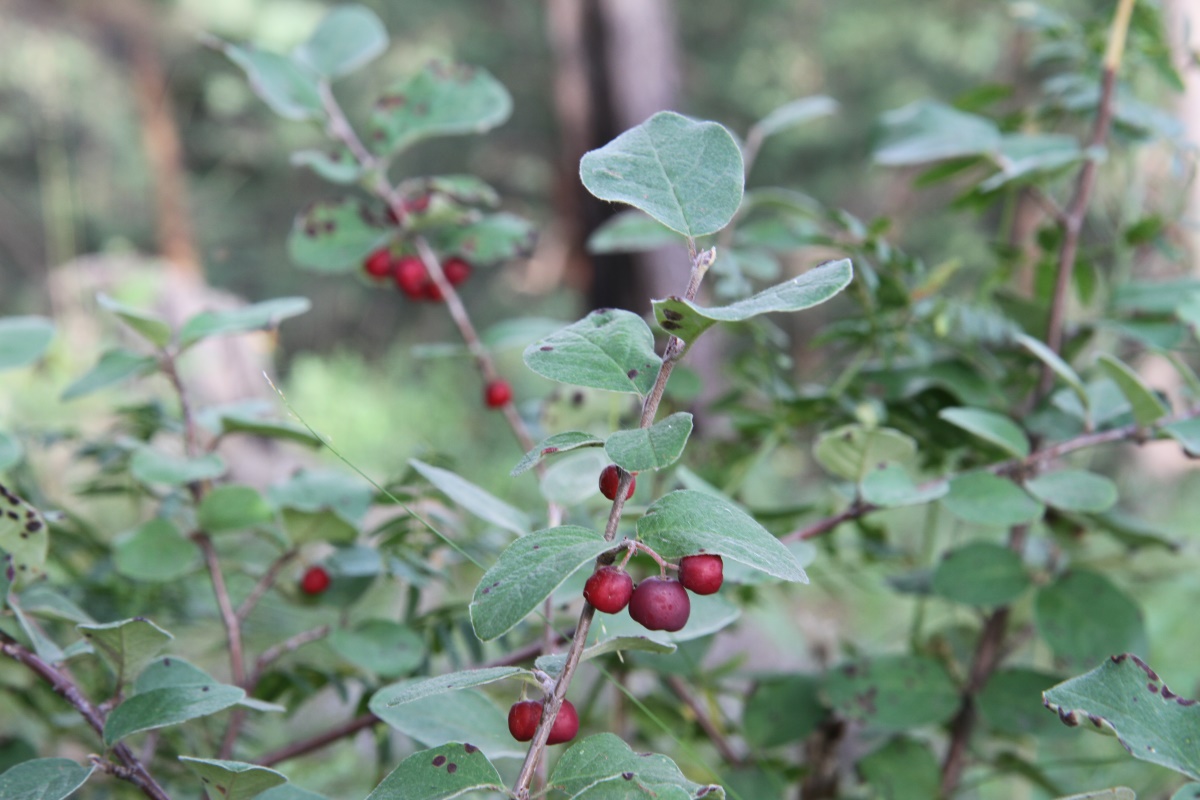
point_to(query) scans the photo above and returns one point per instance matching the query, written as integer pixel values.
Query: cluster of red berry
(411, 276)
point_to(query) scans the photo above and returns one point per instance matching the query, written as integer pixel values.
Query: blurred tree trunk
(1182, 22)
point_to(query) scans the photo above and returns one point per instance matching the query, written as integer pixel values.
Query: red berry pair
(523, 719)
(410, 274)
(658, 603)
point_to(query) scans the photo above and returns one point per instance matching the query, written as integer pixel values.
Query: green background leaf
(1085, 618)
(991, 427)
(381, 646)
(255, 317)
(43, 779)
(152, 466)
(487, 507)
(981, 574)
(233, 507)
(903, 769)
(155, 552)
(1147, 408)
(630, 231)
(985, 499)
(24, 538)
(462, 716)
(23, 340)
(232, 780)
(852, 450)
(409, 691)
(159, 708)
(127, 645)
(113, 367)
(150, 327)
(1074, 490)
(289, 89)
(905, 692)
(782, 709)
(347, 38)
(927, 130)
(552, 445)
(651, 448)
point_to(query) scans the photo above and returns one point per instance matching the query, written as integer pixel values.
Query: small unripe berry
(660, 604)
(379, 263)
(610, 476)
(315, 581)
(609, 589)
(410, 276)
(702, 574)
(457, 271)
(497, 393)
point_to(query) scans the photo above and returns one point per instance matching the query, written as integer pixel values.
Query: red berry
(410, 276)
(608, 589)
(379, 263)
(523, 719)
(610, 476)
(702, 574)
(315, 580)
(497, 393)
(660, 604)
(432, 293)
(457, 271)
(565, 726)
(416, 205)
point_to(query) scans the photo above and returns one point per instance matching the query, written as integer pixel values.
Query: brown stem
(134, 771)
(233, 627)
(289, 645)
(704, 720)
(264, 584)
(191, 437)
(305, 746)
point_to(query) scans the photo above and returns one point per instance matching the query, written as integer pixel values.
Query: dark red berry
(608, 589)
(379, 263)
(565, 726)
(497, 393)
(432, 293)
(660, 604)
(457, 271)
(315, 580)
(410, 276)
(702, 574)
(610, 476)
(523, 719)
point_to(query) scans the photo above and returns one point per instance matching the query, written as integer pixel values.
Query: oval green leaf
(608, 349)
(346, 38)
(685, 319)
(903, 769)
(687, 522)
(160, 708)
(440, 774)
(527, 572)
(288, 88)
(255, 317)
(23, 340)
(558, 443)
(981, 574)
(1074, 490)
(1085, 618)
(630, 231)
(233, 508)
(851, 451)
(891, 487)
(336, 236)
(651, 448)
(994, 428)
(490, 240)
(904, 692)
(1126, 697)
(486, 506)
(127, 645)
(409, 691)
(232, 780)
(151, 466)
(113, 367)
(464, 716)
(43, 779)
(381, 646)
(11, 451)
(1147, 407)
(150, 327)
(603, 767)
(1011, 703)
(24, 540)
(155, 552)
(782, 709)
(927, 130)
(985, 499)
(442, 99)
(686, 174)
(797, 112)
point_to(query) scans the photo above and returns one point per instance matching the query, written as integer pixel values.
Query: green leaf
(150, 327)
(851, 451)
(1189, 792)
(608, 349)
(596, 769)
(687, 320)
(336, 166)
(113, 367)
(686, 174)
(43, 779)
(1111, 793)
(154, 552)
(1074, 490)
(1147, 408)
(465, 189)
(991, 427)
(1060, 368)
(335, 236)
(465, 716)
(893, 693)
(273, 429)
(487, 507)
(255, 317)
(1011, 702)
(151, 466)
(409, 691)
(11, 451)
(381, 646)
(630, 231)
(347, 38)
(1084, 618)
(232, 780)
(233, 508)
(558, 443)
(24, 540)
(42, 601)
(710, 614)
(288, 88)
(651, 448)
(1125, 697)
(489, 240)
(316, 490)
(903, 769)
(287, 791)
(981, 574)
(23, 340)
(685, 523)
(797, 112)
(45, 647)
(553, 664)
(128, 645)
(782, 709)
(985, 499)
(443, 99)
(166, 672)
(573, 478)
(891, 487)
(1022, 155)
(160, 708)
(927, 130)
(440, 774)
(527, 572)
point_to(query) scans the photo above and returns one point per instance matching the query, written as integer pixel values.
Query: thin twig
(305, 746)
(229, 617)
(133, 771)
(289, 645)
(265, 583)
(704, 720)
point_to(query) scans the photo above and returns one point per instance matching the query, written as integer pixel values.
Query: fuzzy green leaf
(927, 130)
(24, 540)
(346, 38)
(232, 780)
(981, 574)
(1085, 618)
(409, 691)
(651, 448)
(23, 340)
(1147, 407)
(985, 499)
(851, 451)
(991, 427)
(603, 767)
(440, 774)
(150, 327)
(486, 506)
(903, 692)
(160, 708)
(335, 236)
(127, 645)
(288, 88)
(43, 779)
(630, 231)
(608, 349)
(558, 443)
(113, 367)
(154, 552)
(1074, 490)
(255, 317)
